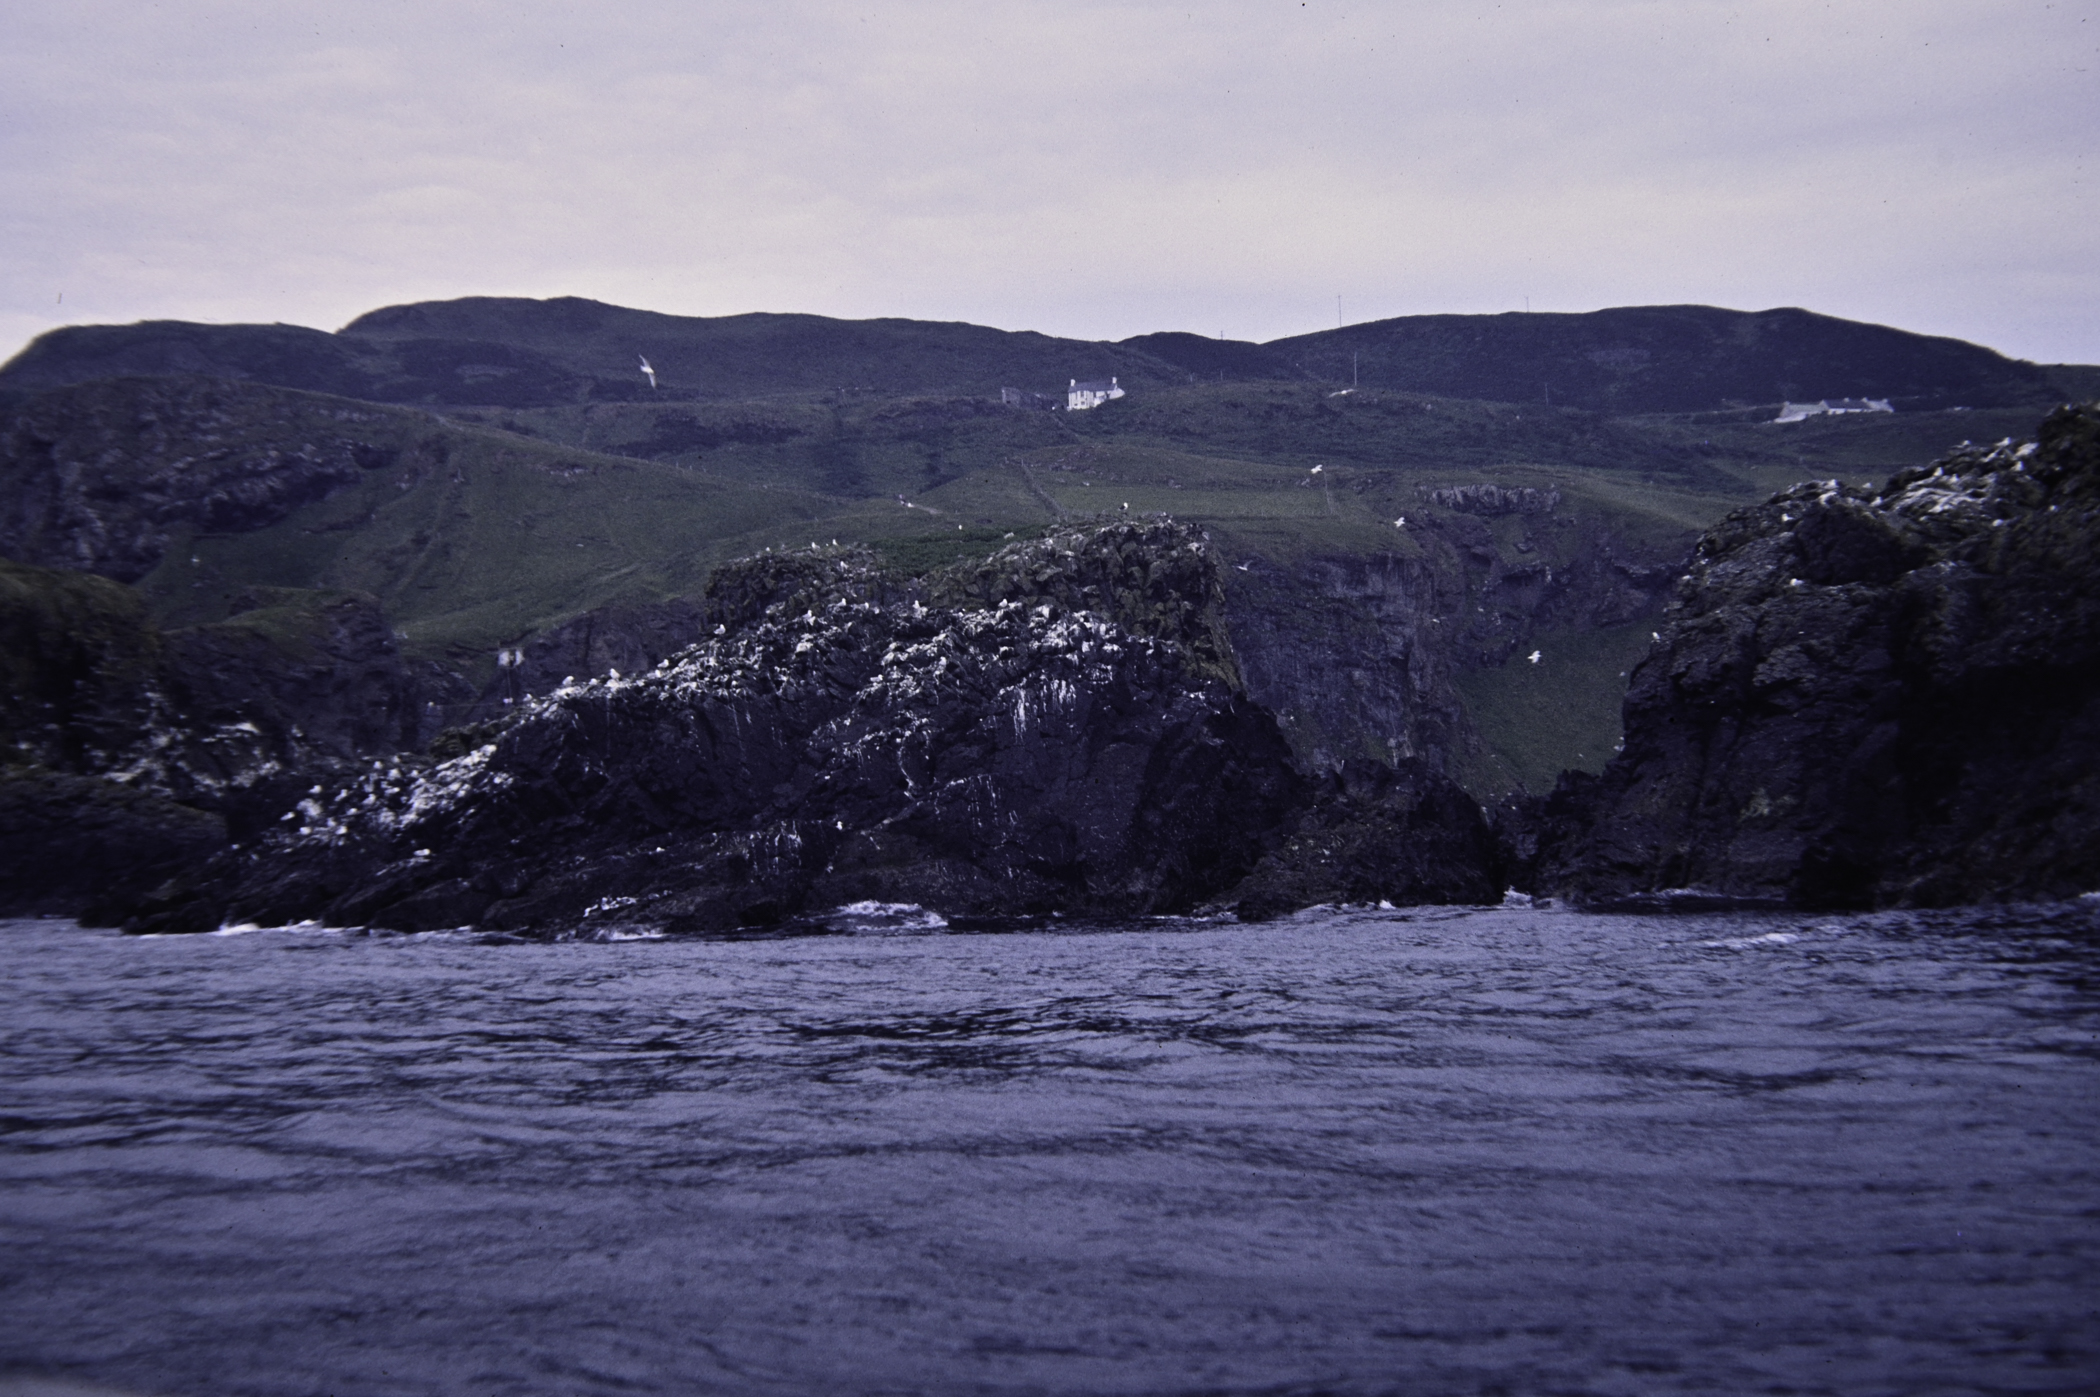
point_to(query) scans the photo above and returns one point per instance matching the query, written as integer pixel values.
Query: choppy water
(1414, 1152)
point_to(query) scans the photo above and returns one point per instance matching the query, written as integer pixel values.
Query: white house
(1836, 407)
(1081, 396)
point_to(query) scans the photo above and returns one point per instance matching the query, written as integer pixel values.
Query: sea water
(1421, 1151)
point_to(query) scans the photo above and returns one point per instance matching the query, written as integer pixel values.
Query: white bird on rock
(647, 371)
(1533, 657)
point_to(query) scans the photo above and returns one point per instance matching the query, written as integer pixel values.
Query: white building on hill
(1081, 396)
(1837, 407)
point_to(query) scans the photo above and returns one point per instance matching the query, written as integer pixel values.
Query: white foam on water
(1744, 943)
(631, 933)
(887, 919)
(250, 928)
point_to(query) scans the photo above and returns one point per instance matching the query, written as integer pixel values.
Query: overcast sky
(1093, 170)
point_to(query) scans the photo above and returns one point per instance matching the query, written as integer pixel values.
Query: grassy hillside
(505, 537)
(544, 478)
(500, 524)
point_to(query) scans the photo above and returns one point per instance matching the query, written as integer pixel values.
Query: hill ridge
(493, 351)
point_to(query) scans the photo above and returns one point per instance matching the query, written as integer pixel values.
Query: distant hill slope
(1667, 359)
(282, 356)
(1209, 361)
(486, 351)
(498, 352)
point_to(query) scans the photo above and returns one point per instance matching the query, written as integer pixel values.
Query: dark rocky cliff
(101, 477)
(1868, 697)
(1364, 655)
(1059, 729)
(132, 753)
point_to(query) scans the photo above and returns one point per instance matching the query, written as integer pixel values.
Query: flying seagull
(647, 372)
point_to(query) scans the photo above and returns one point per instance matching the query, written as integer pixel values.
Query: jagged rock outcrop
(82, 846)
(1867, 697)
(1399, 834)
(79, 672)
(131, 753)
(1057, 729)
(627, 636)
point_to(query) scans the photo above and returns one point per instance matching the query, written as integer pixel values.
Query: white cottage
(1836, 407)
(1081, 396)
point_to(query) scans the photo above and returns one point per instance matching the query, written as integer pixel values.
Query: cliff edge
(1865, 698)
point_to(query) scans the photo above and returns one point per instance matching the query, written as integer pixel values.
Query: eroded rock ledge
(1866, 697)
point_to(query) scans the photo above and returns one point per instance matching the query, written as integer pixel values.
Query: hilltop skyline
(1255, 170)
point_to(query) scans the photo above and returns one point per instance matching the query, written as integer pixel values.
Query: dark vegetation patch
(676, 433)
(915, 555)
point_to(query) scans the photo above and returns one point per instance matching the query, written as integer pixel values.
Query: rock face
(79, 689)
(1059, 729)
(132, 753)
(101, 477)
(1868, 697)
(1360, 654)
(1398, 834)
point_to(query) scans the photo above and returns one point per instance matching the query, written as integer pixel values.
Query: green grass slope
(504, 537)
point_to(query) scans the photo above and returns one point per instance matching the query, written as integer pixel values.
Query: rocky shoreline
(1859, 698)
